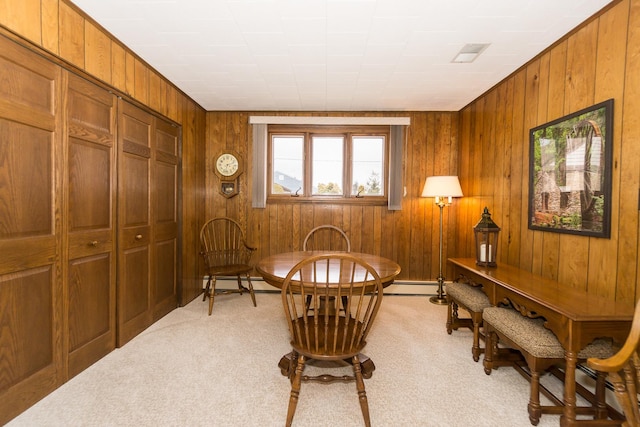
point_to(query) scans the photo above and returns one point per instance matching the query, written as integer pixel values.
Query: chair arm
(247, 252)
(250, 248)
(618, 360)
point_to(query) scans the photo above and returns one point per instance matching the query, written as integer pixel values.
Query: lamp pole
(436, 186)
(440, 299)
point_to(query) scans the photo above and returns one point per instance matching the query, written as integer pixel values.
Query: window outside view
(366, 167)
(288, 155)
(368, 161)
(327, 167)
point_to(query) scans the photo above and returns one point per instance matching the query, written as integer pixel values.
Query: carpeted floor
(191, 369)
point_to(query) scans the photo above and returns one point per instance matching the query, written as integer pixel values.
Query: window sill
(362, 201)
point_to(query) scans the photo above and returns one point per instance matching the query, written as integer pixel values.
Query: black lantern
(486, 232)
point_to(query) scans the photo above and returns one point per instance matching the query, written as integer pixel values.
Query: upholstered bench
(474, 301)
(541, 350)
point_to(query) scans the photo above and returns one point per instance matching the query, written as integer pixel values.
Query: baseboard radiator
(399, 287)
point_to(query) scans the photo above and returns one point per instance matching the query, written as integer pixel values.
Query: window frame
(346, 131)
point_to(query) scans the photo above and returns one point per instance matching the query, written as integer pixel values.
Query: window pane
(368, 161)
(327, 165)
(287, 164)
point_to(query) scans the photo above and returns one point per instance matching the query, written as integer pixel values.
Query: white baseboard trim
(399, 287)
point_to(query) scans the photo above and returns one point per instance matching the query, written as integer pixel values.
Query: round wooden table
(274, 270)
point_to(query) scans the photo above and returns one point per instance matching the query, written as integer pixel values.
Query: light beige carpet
(191, 369)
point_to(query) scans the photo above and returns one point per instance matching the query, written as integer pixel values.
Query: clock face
(227, 164)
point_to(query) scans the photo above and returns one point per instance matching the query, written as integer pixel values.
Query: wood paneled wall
(59, 28)
(486, 144)
(597, 61)
(409, 236)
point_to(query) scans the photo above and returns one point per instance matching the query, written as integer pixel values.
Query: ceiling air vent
(470, 52)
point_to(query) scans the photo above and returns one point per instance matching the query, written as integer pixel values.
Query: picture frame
(570, 173)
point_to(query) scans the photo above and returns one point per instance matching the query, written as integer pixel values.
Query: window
(330, 163)
(288, 154)
(368, 166)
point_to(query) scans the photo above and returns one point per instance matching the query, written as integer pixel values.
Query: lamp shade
(442, 186)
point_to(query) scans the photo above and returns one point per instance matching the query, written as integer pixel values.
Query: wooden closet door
(90, 223)
(165, 217)
(31, 296)
(135, 238)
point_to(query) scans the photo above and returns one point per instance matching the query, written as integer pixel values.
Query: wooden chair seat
(225, 253)
(473, 300)
(230, 270)
(541, 351)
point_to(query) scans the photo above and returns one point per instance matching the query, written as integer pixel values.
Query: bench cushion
(531, 335)
(469, 296)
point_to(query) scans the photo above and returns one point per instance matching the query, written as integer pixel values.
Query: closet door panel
(166, 276)
(91, 314)
(31, 301)
(166, 189)
(23, 358)
(90, 227)
(27, 173)
(136, 270)
(135, 228)
(166, 183)
(30, 86)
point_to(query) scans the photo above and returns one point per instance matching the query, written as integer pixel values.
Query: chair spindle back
(345, 294)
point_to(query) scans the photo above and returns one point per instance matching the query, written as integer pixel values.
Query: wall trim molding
(324, 120)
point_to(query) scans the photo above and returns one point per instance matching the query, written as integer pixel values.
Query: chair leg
(624, 383)
(205, 294)
(250, 285)
(212, 294)
(240, 287)
(535, 411)
(296, 381)
(362, 394)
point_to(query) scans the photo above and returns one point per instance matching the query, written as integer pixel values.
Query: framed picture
(570, 173)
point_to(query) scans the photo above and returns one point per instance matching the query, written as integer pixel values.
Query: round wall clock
(228, 165)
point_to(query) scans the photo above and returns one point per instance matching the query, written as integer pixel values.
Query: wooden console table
(574, 316)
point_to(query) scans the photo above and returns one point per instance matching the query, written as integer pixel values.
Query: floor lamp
(443, 188)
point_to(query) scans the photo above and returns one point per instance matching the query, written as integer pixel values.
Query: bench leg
(535, 411)
(476, 350)
(601, 402)
(452, 316)
(490, 345)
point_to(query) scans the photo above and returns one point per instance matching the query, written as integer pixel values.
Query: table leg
(568, 417)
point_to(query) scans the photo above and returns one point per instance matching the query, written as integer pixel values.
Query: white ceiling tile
(346, 43)
(336, 54)
(304, 31)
